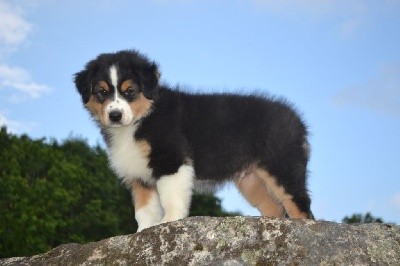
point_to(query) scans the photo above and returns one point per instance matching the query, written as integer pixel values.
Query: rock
(235, 241)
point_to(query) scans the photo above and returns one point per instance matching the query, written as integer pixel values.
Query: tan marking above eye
(127, 84)
(103, 85)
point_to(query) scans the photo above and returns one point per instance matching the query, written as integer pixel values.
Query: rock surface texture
(235, 241)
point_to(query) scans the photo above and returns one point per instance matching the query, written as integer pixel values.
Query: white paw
(141, 228)
(161, 222)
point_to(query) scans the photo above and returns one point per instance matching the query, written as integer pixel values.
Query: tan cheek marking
(97, 109)
(141, 194)
(255, 192)
(280, 194)
(94, 107)
(141, 106)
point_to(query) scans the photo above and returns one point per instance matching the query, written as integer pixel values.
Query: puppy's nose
(115, 116)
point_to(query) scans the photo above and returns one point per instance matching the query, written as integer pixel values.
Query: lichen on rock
(234, 241)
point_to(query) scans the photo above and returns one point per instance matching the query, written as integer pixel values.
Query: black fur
(132, 64)
(220, 134)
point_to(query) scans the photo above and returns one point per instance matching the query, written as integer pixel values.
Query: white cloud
(15, 126)
(380, 94)
(14, 32)
(20, 83)
(14, 28)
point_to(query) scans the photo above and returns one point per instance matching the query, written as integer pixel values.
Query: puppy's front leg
(148, 211)
(175, 192)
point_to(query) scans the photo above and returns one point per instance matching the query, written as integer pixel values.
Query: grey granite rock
(235, 241)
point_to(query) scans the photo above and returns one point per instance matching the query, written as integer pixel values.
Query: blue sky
(337, 61)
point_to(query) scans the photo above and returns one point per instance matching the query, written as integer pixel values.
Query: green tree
(208, 205)
(361, 219)
(52, 193)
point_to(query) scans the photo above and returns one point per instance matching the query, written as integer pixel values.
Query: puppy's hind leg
(294, 197)
(175, 192)
(148, 210)
(256, 193)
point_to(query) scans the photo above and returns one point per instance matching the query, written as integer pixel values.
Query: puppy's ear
(83, 85)
(149, 79)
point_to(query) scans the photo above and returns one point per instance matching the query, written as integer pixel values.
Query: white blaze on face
(114, 76)
(118, 103)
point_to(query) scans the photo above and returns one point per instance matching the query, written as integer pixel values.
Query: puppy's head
(118, 88)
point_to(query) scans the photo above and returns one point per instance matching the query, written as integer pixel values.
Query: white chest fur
(126, 156)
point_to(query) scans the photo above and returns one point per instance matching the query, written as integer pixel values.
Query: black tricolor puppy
(164, 143)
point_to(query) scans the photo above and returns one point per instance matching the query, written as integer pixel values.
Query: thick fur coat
(164, 143)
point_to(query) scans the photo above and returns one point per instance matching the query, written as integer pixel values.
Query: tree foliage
(361, 219)
(53, 193)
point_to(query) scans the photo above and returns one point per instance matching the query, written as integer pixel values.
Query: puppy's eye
(129, 93)
(103, 92)
(102, 95)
